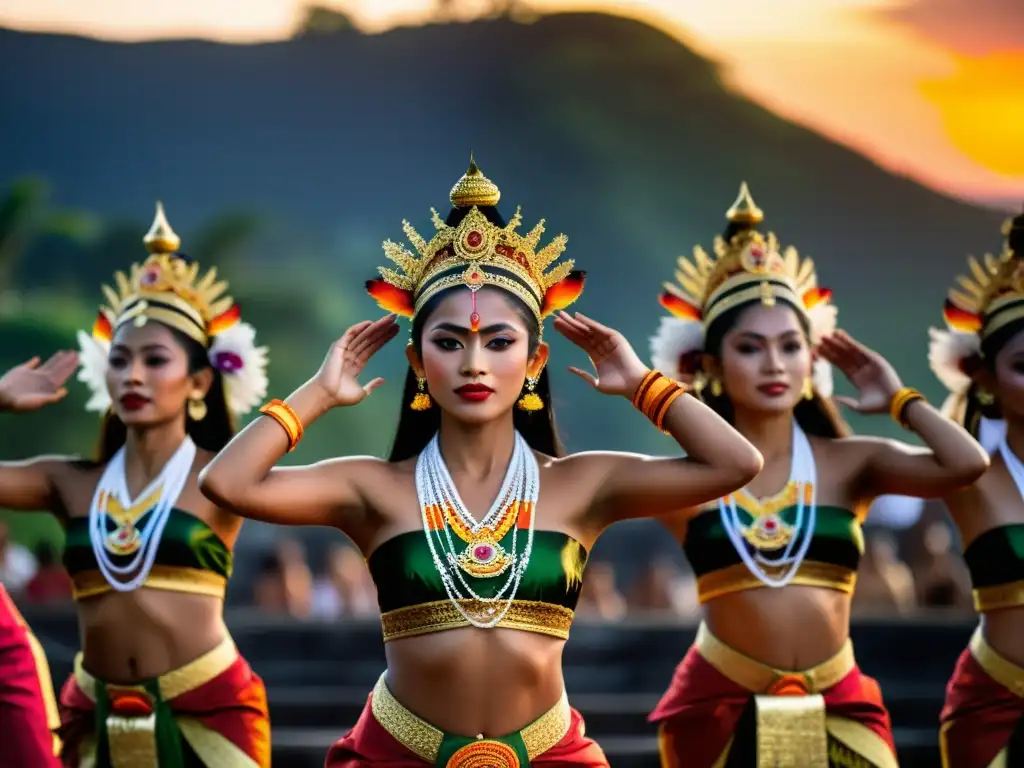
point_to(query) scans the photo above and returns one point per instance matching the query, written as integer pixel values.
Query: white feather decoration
(92, 358)
(821, 377)
(823, 317)
(947, 351)
(675, 337)
(243, 366)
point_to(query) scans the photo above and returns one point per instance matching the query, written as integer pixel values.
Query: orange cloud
(982, 109)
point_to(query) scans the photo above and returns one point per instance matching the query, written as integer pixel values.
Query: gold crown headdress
(167, 288)
(477, 253)
(748, 268)
(979, 305)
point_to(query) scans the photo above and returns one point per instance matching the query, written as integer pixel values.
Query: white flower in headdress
(675, 347)
(243, 366)
(168, 288)
(93, 354)
(749, 262)
(947, 353)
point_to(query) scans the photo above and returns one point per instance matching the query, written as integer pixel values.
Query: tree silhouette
(321, 20)
(25, 215)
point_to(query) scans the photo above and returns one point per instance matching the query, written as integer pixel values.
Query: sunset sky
(937, 94)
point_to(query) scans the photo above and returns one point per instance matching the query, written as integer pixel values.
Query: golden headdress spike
(474, 189)
(744, 210)
(161, 238)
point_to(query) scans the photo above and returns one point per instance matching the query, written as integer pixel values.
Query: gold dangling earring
(985, 397)
(716, 388)
(530, 401)
(197, 408)
(808, 390)
(421, 400)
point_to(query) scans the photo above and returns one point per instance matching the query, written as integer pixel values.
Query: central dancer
(476, 529)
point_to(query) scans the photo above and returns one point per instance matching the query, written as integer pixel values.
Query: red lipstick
(775, 389)
(133, 402)
(474, 393)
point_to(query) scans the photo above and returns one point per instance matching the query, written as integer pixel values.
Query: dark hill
(613, 131)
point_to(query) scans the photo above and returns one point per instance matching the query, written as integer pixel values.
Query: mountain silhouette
(616, 133)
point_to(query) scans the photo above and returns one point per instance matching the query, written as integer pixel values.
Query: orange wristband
(655, 395)
(286, 416)
(900, 401)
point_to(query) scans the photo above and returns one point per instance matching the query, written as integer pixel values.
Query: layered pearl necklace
(126, 539)
(482, 555)
(794, 540)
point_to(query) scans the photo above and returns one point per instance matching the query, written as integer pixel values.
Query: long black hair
(417, 428)
(212, 433)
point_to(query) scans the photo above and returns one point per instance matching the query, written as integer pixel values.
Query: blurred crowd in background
(905, 569)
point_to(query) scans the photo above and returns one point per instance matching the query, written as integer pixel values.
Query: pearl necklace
(749, 540)
(126, 539)
(482, 556)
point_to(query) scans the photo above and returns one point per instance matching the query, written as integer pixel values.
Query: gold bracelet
(649, 377)
(289, 420)
(655, 395)
(659, 420)
(900, 401)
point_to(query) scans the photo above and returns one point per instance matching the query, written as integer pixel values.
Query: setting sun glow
(982, 109)
(841, 67)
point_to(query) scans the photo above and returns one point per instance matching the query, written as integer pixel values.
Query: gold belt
(760, 678)
(997, 666)
(420, 737)
(131, 724)
(791, 724)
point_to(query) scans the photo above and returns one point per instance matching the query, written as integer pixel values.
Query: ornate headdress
(746, 268)
(475, 253)
(167, 288)
(978, 306)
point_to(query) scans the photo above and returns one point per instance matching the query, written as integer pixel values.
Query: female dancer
(771, 679)
(506, 520)
(979, 359)
(28, 708)
(159, 681)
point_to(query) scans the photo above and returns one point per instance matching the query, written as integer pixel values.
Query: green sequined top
(191, 557)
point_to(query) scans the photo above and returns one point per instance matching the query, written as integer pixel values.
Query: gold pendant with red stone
(484, 559)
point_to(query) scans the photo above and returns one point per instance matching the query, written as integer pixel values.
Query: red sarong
(369, 744)
(28, 708)
(699, 712)
(979, 715)
(231, 707)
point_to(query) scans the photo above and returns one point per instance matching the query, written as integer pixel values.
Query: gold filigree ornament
(750, 268)
(767, 530)
(477, 253)
(167, 288)
(483, 556)
(484, 754)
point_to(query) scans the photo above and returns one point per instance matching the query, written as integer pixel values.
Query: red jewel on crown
(474, 239)
(150, 276)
